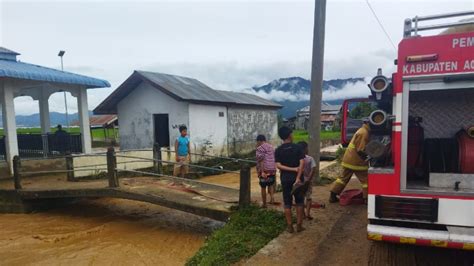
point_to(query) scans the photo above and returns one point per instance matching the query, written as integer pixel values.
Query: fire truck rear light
(406, 208)
(422, 58)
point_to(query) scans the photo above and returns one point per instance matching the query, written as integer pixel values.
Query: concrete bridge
(23, 194)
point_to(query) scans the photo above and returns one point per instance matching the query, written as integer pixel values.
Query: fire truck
(421, 149)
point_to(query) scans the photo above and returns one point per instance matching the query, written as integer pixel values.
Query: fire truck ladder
(411, 24)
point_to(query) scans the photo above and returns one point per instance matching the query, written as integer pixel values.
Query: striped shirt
(266, 154)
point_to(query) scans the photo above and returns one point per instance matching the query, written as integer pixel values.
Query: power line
(380, 24)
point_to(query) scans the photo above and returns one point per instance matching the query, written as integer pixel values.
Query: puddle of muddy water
(102, 232)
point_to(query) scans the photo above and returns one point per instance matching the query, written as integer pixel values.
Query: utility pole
(61, 54)
(317, 84)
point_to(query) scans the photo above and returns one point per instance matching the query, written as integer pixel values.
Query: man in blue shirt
(182, 148)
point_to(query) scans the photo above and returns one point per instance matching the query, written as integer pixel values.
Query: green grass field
(97, 133)
(302, 135)
(247, 231)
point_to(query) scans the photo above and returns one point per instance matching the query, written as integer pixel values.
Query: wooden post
(244, 192)
(70, 167)
(157, 164)
(111, 167)
(16, 171)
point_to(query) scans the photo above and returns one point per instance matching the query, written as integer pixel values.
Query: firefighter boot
(333, 198)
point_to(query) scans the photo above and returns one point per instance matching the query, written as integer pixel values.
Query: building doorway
(161, 129)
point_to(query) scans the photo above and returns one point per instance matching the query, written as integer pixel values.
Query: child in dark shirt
(289, 159)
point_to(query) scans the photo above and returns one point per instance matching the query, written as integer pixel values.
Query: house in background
(329, 114)
(151, 107)
(107, 123)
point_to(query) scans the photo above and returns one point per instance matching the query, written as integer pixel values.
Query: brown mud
(102, 232)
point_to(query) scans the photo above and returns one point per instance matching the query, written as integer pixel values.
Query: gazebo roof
(11, 68)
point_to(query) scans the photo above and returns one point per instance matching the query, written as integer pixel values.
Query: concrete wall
(135, 115)
(244, 124)
(208, 130)
(99, 162)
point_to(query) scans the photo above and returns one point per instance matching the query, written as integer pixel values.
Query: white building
(23, 79)
(151, 106)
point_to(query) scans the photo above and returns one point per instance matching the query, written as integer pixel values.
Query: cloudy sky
(230, 45)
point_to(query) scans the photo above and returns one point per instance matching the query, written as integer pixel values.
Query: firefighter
(355, 162)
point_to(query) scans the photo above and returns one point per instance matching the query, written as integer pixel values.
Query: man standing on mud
(355, 162)
(289, 159)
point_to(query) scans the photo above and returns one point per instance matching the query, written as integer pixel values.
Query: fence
(44, 145)
(112, 167)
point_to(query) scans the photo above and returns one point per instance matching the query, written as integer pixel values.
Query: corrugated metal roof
(20, 70)
(248, 99)
(325, 107)
(182, 89)
(102, 120)
(4, 50)
(99, 120)
(11, 68)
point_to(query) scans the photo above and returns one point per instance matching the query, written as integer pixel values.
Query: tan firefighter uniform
(352, 163)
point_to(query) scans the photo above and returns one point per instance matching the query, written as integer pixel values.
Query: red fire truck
(421, 175)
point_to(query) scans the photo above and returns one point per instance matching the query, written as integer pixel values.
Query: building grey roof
(11, 68)
(4, 50)
(248, 99)
(181, 89)
(325, 108)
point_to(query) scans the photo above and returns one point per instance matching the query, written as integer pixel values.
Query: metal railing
(411, 25)
(44, 145)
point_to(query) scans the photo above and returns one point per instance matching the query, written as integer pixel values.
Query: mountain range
(299, 88)
(33, 120)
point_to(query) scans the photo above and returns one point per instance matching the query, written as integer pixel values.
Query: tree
(361, 110)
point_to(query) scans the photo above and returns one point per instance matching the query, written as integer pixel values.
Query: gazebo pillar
(9, 123)
(44, 112)
(82, 109)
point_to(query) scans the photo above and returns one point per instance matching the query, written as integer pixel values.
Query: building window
(221, 114)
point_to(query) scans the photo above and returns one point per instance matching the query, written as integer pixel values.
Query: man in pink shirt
(266, 168)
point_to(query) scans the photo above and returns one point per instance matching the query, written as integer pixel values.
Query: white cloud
(350, 90)
(279, 95)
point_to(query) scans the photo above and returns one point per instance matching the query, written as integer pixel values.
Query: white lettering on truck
(426, 68)
(469, 65)
(463, 42)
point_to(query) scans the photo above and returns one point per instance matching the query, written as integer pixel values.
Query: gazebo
(23, 79)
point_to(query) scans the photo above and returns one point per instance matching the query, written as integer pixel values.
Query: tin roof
(248, 99)
(181, 89)
(325, 107)
(4, 50)
(99, 120)
(11, 68)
